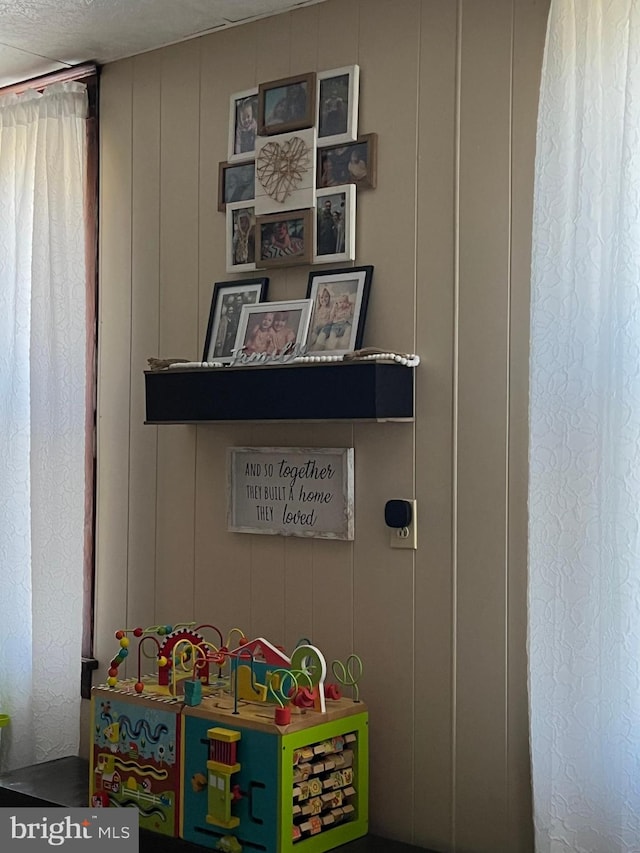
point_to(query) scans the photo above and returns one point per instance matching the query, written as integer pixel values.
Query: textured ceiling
(40, 36)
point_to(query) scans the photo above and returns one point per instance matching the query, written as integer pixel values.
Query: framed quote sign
(291, 491)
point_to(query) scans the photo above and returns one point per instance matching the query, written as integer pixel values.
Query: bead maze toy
(232, 743)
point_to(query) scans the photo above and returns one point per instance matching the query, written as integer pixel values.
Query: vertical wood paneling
(114, 353)
(434, 627)
(387, 238)
(483, 348)
(385, 464)
(529, 34)
(179, 163)
(383, 623)
(222, 559)
(338, 34)
(145, 321)
(441, 630)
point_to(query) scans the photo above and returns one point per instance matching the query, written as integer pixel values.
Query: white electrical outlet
(406, 537)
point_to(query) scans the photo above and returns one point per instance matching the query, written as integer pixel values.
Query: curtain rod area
(75, 72)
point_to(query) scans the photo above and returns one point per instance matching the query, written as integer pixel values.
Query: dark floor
(64, 782)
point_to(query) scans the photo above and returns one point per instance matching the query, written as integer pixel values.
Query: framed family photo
(284, 238)
(286, 104)
(351, 163)
(273, 328)
(337, 105)
(243, 125)
(339, 300)
(236, 182)
(335, 225)
(241, 237)
(224, 316)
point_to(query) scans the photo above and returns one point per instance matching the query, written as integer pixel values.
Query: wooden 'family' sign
(291, 491)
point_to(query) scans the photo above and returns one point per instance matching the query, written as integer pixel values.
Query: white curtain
(42, 420)
(584, 497)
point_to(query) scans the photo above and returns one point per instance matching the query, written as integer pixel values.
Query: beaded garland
(409, 360)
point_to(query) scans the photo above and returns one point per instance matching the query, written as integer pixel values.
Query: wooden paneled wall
(451, 89)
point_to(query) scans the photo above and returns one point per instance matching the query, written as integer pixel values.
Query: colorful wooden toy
(229, 747)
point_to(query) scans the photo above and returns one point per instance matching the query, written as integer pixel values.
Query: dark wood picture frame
(345, 163)
(287, 104)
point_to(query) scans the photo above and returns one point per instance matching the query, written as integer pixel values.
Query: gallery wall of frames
(288, 189)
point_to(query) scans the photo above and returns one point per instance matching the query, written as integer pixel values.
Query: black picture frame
(334, 328)
(227, 300)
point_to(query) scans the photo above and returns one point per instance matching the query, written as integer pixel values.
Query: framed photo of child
(284, 239)
(227, 301)
(335, 231)
(272, 328)
(243, 125)
(339, 300)
(241, 237)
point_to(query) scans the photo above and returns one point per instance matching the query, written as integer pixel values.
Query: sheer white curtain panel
(42, 419)
(584, 494)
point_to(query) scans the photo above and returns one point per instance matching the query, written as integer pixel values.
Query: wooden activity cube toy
(231, 774)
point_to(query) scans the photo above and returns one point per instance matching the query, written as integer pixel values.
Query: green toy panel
(325, 786)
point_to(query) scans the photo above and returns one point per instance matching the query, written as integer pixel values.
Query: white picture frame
(285, 171)
(334, 238)
(267, 331)
(242, 131)
(291, 491)
(241, 238)
(337, 95)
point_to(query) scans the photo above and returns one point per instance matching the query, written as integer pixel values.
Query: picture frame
(285, 171)
(339, 301)
(284, 238)
(261, 497)
(334, 234)
(337, 93)
(286, 104)
(227, 300)
(273, 328)
(243, 125)
(349, 163)
(241, 237)
(236, 182)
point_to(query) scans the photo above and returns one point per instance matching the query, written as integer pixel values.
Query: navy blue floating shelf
(346, 391)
